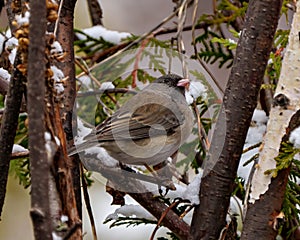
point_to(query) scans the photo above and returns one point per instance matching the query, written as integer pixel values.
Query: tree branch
(124, 181)
(267, 192)
(239, 102)
(39, 164)
(69, 168)
(9, 125)
(96, 13)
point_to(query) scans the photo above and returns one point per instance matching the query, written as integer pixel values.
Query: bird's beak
(185, 82)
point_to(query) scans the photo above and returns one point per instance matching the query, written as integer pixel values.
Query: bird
(149, 127)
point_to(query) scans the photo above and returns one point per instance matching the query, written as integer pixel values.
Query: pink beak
(185, 82)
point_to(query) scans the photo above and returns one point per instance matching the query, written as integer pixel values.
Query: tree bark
(39, 164)
(239, 102)
(69, 178)
(268, 192)
(260, 220)
(9, 125)
(10, 117)
(95, 12)
(138, 192)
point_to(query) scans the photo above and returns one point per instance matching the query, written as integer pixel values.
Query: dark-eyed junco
(149, 127)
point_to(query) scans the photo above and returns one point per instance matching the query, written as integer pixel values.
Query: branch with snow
(98, 32)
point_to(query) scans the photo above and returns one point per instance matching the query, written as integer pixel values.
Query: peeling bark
(267, 193)
(239, 102)
(69, 176)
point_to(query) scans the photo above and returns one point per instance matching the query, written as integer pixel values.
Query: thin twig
(86, 71)
(205, 144)
(88, 203)
(104, 91)
(248, 185)
(17, 155)
(196, 51)
(137, 41)
(137, 60)
(57, 20)
(162, 217)
(251, 147)
(180, 44)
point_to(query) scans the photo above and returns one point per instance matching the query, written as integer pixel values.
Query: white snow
(190, 192)
(4, 74)
(255, 135)
(101, 153)
(57, 141)
(58, 76)
(12, 55)
(56, 48)
(188, 97)
(295, 137)
(107, 85)
(64, 218)
(103, 156)
(111, 36)
(232, 41)
(10, 44)
(21, 20)
(131, 210)
(47, 136)
(55, 236)
(85, 80)
(196, 90)
(18, 148)
(82, 131)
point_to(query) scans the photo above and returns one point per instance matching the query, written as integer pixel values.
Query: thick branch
(3, 86)
(125, 182)
(39, 164)
(239, 102)
(69, 175)
(267, 192)
(261, 216)
(9, 125)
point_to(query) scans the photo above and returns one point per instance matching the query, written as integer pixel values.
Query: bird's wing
(146, 121)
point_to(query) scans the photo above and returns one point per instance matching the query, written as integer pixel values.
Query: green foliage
(284, 158)
(88, 178)
(285, 8)
(90, 45)
(128, 221)
(172, 237)
(213, 51)
(275, 60)
(20, 169)
(228, 43)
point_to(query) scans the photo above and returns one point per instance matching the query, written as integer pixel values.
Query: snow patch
(4, 74)
(107, 85)
(295, 137)
(131, 210)
(18, 148)
(196, 90)
(58, 76)
(23, 19)
(97, 32)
